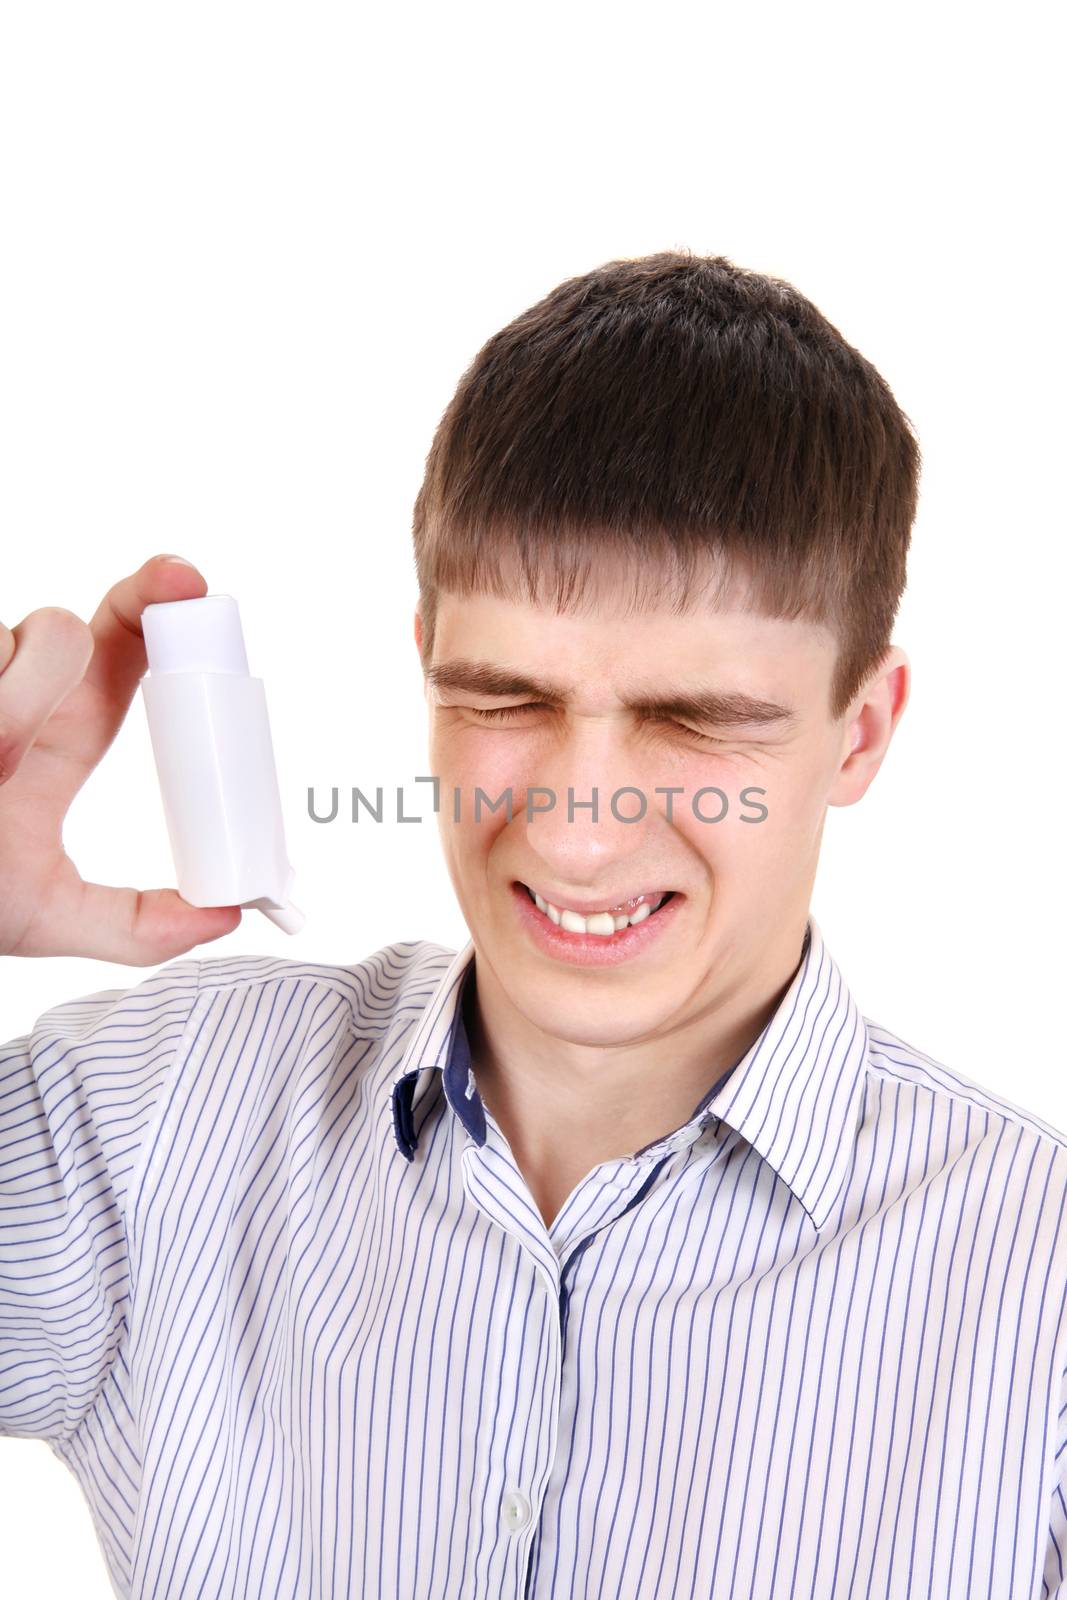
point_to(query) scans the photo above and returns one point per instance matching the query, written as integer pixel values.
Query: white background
(247, 253)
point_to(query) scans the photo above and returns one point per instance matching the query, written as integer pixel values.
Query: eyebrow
(719, 707)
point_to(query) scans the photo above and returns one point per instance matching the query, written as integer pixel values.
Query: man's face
(739, 887)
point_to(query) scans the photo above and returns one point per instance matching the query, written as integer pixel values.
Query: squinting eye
(501, 713)
(509, 713)
(691, 733)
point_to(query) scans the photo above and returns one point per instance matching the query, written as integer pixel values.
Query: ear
(869, 725)
(418, 631)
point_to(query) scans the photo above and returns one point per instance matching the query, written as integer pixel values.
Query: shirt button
(517, 1511)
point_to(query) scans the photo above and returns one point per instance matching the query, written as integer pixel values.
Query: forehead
(607, 646)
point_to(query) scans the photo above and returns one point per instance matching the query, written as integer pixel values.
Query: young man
(616, 1254)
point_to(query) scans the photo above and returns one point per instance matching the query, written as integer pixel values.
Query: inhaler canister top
(194, 636)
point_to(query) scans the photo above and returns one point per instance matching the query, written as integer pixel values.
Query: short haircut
(667, 409)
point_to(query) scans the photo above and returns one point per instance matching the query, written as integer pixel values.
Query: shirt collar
(795, 1096)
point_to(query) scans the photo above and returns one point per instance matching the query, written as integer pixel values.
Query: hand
(65, 688)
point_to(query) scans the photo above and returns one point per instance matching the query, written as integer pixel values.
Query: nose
(604, 816)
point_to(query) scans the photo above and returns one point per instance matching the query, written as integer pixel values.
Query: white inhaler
(211, 739)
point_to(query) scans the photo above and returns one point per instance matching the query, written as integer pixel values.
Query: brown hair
(667, 409)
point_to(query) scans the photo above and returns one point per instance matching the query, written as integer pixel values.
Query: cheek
(784, 845)
(470, 751)
(465, 761)
(729, 848)
(469, 758)
(768, 830)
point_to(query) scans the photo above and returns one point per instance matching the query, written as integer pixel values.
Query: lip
(591, 949)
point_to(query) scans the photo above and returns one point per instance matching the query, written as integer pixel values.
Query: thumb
(142, 927)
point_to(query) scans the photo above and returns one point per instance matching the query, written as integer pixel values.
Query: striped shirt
(275, 1290)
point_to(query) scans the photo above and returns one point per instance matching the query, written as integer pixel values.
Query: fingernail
(180, 559)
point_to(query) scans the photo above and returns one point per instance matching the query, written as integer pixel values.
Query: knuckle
(62, 625)
(65, 641)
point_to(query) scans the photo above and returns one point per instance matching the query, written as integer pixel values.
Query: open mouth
(603, 924)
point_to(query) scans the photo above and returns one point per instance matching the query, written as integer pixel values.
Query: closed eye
(509, 713)
(707, 739)
(502, 713)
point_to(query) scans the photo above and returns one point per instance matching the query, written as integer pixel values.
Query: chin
(565, 1008)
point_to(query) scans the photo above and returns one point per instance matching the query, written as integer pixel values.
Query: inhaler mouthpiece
(207, 718)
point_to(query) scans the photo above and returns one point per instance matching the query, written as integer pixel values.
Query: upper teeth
(602, 922)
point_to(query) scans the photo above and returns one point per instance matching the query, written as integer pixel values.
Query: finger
(139, 927)
(84, 725)
(119, 661)
(7, 646)
(49, 652)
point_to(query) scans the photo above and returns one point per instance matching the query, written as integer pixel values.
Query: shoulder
(113, 1037)
(992, 1164)
(397, 979)
(896, 1064)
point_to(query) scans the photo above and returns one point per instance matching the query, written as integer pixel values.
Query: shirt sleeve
(79, 1096)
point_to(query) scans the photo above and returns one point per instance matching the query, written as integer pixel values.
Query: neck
(564, 1108)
